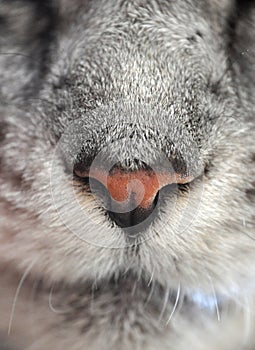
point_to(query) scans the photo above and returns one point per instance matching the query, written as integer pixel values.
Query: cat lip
(130, 289)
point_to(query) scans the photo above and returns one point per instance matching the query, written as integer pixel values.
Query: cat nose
(130, 197)
(133, 196)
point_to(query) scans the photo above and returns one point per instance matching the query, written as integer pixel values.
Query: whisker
(50, 303)
(14, 54)
(248, 235)
(215, 302)
(181, 300)
(151, 278)
(25, 274)
(134, 288)
(166, 299)
(150, 294)
(93, 289)
(175, 304)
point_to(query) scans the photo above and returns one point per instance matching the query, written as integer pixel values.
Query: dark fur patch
(3, 130)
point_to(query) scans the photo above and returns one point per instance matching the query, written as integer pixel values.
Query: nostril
(96, 188)
(100, 193)
(137, 216)
(147, 214)
(155, 201)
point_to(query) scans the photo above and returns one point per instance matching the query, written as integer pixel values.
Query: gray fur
(170, 83)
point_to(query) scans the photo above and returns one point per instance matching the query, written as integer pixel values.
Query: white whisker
(150, 294)
(176, 303)
(25, 274)
(51, 305)
(151, 278)
(94, 287)
(216, 303)
(134, 288)
(166, 299)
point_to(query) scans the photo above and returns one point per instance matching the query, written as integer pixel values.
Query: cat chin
(117, 296)
(103, 307)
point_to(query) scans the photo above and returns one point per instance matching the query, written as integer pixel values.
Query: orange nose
(141, 185)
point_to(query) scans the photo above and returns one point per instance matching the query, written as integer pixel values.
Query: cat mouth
(119, 295)
(178, 297)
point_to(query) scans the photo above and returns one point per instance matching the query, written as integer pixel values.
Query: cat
(127, 174)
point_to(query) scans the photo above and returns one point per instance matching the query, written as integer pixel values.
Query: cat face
(130, 88)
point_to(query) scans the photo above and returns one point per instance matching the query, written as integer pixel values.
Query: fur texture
(157, 82)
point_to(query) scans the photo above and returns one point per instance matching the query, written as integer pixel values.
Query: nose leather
(143, 185)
